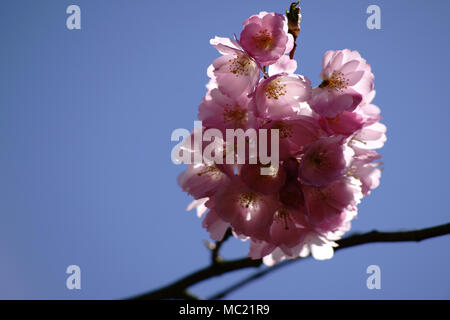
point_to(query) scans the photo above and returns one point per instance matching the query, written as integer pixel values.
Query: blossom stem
(215, 253)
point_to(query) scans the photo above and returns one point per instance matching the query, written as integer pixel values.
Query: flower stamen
(248, 199)
(235, 115)
(240, 66)
(263, 40)
(337, 82)
(274, 89)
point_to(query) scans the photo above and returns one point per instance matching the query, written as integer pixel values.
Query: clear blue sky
(85, 122)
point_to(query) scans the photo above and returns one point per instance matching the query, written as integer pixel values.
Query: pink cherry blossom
(201, 180)
(356, 73)
(346, 81)
(265, 37)
(248, 211)
(235, 72)
(285, 231)
(324, 161)
(215, 225)
(365, 169)
(291, 195)
(266, 184)
(327, 138)
(370, 137)
(295, 134)
(222, 112)
(280, 96)
(199, 206)
(345, 123)
(283, 65)
(327, 206)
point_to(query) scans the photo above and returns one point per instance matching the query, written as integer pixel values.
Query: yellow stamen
(248, 199)
(336, 82)
(235, 115)
(274, 89)
(241, 65)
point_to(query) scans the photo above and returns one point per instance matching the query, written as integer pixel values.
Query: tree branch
(177, 290)
(351, 241)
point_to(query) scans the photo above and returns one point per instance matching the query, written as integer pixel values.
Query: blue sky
(85, 122)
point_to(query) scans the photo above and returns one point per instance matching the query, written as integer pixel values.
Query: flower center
(336, 82)
(320, 194)
(234, 115)
(317, 159)
(263, 40)
(274, 89)
(248, 199)
(241, 65)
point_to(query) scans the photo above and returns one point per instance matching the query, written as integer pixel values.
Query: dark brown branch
(189, 296)
(250, 278)
(174, 290)
(177, 290)
(399, 236)
(351, 241)
(293, 16)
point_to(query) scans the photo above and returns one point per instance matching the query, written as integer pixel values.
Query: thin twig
(177, 290)
(215, 253)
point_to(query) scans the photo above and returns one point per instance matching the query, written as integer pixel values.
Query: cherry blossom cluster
(327, 136)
